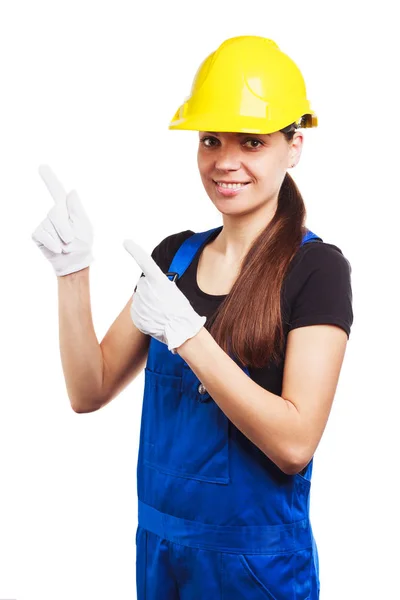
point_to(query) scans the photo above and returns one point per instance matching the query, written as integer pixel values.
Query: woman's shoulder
(318, 255)
(164, 252)
(318, 288)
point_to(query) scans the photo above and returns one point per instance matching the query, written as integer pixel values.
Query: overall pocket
(184, 432)
(285, 576)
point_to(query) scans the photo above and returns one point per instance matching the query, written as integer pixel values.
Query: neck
(238, 233)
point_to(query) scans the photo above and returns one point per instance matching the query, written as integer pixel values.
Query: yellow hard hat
(247, 85)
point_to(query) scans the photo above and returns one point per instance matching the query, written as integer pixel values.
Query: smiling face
(257, 162)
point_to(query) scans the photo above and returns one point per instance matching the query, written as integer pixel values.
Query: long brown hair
(249, 320)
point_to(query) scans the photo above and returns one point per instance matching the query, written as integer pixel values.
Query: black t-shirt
(316, 290)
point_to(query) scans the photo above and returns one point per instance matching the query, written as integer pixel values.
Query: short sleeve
(325, 294)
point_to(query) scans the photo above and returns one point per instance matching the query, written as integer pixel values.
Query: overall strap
(187, 250)
(309, 236)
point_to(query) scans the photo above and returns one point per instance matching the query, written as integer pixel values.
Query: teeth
(231, 186)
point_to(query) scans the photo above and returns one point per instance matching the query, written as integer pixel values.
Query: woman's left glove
(158, 306)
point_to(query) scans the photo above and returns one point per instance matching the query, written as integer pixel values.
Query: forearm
(268, 420)
(81, 355)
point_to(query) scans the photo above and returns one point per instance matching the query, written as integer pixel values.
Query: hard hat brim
(238, 124)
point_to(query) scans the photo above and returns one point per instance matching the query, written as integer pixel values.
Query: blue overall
(217, 519)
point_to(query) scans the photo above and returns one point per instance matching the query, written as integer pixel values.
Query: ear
(296, 147)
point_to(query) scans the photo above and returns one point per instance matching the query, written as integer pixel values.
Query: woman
(242, 344)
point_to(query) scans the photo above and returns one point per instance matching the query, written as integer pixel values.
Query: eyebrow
(239, 134)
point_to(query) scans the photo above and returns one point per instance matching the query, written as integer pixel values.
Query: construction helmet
(247, 85)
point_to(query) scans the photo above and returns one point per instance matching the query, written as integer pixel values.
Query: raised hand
(65, 236)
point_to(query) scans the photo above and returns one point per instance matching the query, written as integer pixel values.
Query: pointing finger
(146, 262)
(53, 184)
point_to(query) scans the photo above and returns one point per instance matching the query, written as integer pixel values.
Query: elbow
(77, 408)
(292, 469)
(85, 406)
(295, 462)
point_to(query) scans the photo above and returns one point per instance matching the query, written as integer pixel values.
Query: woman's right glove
(65, 236)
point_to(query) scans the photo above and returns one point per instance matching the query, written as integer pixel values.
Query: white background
(89, 88)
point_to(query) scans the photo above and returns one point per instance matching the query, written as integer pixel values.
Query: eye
(208, 137)
(253, 140)
(210, 141)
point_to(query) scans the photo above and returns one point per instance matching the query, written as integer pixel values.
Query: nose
(227, 158)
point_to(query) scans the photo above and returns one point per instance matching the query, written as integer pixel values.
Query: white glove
(65, 236)
(159, 308)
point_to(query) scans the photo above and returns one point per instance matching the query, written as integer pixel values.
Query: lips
(229, 191)
(227, 182)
